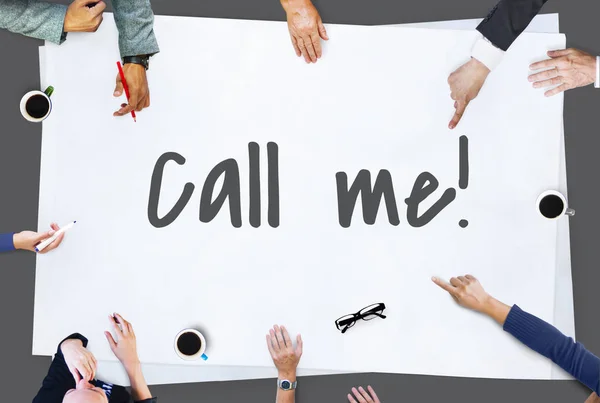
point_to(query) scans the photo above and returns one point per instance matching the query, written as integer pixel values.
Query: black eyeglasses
(371, 312)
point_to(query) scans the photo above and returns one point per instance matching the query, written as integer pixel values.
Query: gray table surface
(20, 145)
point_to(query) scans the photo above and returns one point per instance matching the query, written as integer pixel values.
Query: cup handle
(49, 91)
(204, 357)
(570, 212)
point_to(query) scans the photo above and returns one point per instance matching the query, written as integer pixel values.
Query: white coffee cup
(546, 210)
(196, 355)
(30, 96)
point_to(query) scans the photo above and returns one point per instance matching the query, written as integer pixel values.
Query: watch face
(286, 385)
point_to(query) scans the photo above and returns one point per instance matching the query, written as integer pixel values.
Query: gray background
(20, 143)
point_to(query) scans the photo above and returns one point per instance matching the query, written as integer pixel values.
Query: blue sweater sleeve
(551, 343)
(6, 242)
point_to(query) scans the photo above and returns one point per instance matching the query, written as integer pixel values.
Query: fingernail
(434, 278)
(530, 78)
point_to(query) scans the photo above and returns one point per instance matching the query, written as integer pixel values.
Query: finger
(126, 326)
(111, 342)
(303, 49)
(463, 280)
(351, 399)
(286, 337)
(544, 75)
(299, 346)
(460, 110)
(455, 282)
(316, 41)
(444, 285)
(322, 31)
(147, 101)
(115, 327)
(548, 83)
(544, 64)
(373, 394)
(279, 336)
(557, 90)
(98, 8)
(310, 48)
(359, 397)
(125, 109)
(471, 278)
(270, 346)
(296, 48)
(118, 87)
(54, 226)
(274, 341)
(364, 394)
(54, 244)
(75, 374)
(93, 365)
(560, 52)
(85, 370)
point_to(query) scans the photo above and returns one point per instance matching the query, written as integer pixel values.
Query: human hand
(81, 363)
(362, 396)
(84, 16)
(468, 292)
(137, 83)
(306, 29)
(465, 84)
(284, 356)
(569, 68)
(28, 240)
(125, 346)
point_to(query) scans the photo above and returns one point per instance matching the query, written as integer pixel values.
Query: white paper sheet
(36, 301)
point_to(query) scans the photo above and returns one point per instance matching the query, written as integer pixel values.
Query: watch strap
(141, 60)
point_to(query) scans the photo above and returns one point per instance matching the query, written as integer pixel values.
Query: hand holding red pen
(137, 83)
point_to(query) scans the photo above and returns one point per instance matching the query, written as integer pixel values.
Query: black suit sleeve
(59, 379)
(508, 19)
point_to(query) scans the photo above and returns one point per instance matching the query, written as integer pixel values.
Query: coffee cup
(190, 345)
(36, 105)
(553, 204)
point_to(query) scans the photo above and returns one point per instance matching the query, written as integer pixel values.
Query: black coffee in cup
(189, 344)
(551, 206)
(37, 106)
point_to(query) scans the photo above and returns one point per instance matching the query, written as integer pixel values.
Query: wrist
(496, 310)
(289, 375)
(18, 241)
(69, 342)
(133, 368)
(287, 4)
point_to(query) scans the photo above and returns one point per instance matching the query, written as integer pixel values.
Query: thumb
(323, 31)
(119, 87)
(111, 341)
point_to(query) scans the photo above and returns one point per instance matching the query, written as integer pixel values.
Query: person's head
(85, 392)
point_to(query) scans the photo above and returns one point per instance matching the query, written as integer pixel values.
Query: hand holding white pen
(28, 240)
(58, 234)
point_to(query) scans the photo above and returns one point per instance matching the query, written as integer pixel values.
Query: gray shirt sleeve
(135, 22)
(34, 18)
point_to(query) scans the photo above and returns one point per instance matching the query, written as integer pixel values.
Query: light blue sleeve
(135, 22)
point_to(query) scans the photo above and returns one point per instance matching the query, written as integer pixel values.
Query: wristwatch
(141, 60)
(284, 384)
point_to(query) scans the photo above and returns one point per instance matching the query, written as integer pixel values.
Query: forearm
(7, 242)
(287, 3)
(548, 341)
(139, 388)
(34, 18)
(286, 396)
(135, 22)
(508, 19)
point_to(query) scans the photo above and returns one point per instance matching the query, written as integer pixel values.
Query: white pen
(42, 245)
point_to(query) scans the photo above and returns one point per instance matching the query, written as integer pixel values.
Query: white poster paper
(408, 156)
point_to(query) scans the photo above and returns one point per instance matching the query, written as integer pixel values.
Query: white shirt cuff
(597, 84)
(487, 53)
